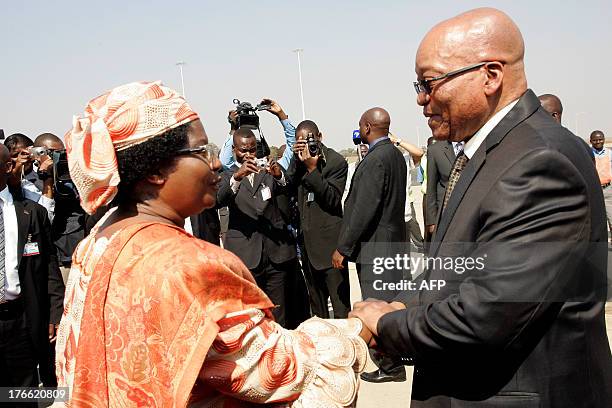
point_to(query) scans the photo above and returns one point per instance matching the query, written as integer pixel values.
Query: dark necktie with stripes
(2, 255)
(458, 166)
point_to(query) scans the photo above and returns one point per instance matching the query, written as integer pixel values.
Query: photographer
(257, 232)
(226, 157)
(23, 177)
(319, 174)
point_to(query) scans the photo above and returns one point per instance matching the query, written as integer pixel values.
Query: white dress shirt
(475, 141)
(12, 289)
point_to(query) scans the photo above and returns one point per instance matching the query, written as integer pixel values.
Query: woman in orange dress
(157, 318)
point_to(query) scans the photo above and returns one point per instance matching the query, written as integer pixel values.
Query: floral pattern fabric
(157, 318)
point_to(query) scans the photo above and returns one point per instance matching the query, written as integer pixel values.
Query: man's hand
(275, 170)
(53, 332)
(232, 118)
(371, 310)
(338, 260)
(248, 167)
(301, 149)
(275, 108)
(21, 160)
(46, 164)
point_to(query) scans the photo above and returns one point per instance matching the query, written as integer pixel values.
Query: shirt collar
(5, 195)
(475, 141)
(378, 140)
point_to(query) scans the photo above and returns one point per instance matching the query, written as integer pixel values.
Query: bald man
(523, 326)
(552, 104)
(374, 219)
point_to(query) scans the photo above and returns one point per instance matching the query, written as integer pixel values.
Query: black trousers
(413, 231)
(18, 358)
(272, 279)
(329, 283)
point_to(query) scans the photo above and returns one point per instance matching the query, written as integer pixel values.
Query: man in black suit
(440, 158)
(526, 327)
(207, 226)
(320, 180)
(373, 224)
(31, 286)
(257, 232)
(374, 207)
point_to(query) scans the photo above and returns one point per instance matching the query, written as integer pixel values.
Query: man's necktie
(2, 255)
(458, 167)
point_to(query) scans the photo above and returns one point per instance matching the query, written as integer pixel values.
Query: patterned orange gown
(157, 318)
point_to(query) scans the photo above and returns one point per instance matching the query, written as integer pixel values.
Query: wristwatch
(398, 141)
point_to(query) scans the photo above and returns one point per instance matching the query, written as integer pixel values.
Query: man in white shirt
(31, 286)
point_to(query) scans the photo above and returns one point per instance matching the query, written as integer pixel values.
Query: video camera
(246, 114)
(246, 117)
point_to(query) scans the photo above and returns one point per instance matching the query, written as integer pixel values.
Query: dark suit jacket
(440, 159)
(321, 219)
(255, 226)
(206, 226)
(42, 287)
(374, 207)
(528, 329)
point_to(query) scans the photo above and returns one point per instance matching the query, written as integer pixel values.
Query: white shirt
(31, 192)
(458, 147)
(474, 143)
(12, 289)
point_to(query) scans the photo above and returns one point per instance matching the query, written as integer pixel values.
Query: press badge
(31, 248)
(265, 193)
(310, 197)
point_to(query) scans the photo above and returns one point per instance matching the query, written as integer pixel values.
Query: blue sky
(357, 54)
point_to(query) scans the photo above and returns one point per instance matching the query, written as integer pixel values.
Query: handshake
(369, 312)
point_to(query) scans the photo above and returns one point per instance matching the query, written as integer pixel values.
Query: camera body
(247, 116)
(313, 145)
(261, 163)
(37, 152)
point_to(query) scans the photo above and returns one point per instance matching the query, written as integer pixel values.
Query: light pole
(180, 65)
(299, 51)
(576, 117)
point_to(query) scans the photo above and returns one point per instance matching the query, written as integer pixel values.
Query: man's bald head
(374, 124)
(49, 140)
(460, 105)
(552, 104)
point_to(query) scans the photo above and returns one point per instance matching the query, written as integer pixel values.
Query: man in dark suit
(440, 159)
(373, 224)
(526, 327)
(207, 226)
(374, 207)
(257, 232)
(31, 286)
(320, 180)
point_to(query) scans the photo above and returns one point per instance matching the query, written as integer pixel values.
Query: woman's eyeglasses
(208, 152)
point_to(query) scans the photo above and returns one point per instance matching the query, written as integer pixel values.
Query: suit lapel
(449, 152)
(525, 107)
(23, 225)
(257, 180)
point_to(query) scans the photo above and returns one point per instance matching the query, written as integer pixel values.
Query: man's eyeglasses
(208, 152)
(424, 85)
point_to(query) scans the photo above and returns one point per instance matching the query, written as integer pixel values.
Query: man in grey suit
(524, 328)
